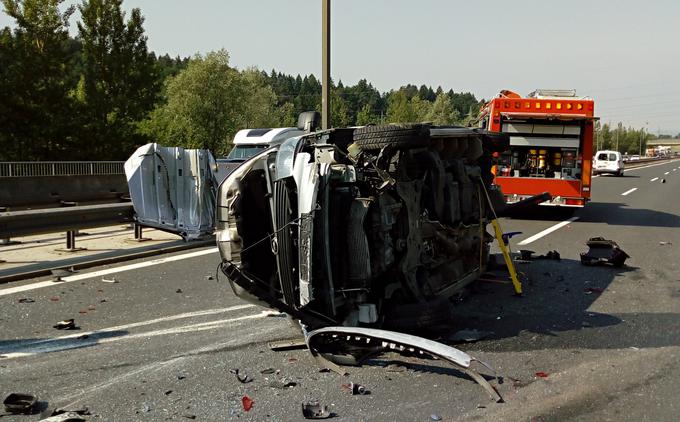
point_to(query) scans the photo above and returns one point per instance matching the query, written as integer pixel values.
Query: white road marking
(675, 169)
(666, 173)
(69, 342)
(654, 179)
(547, 231)
(84, 276)
(628, 192)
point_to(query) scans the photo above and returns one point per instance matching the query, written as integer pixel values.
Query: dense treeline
(100, 94)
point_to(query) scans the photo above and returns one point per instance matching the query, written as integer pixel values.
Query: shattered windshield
(243, 152)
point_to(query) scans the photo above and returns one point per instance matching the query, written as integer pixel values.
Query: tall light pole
(325, 64)
(642, 133)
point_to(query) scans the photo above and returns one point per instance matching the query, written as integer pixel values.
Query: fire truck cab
(551, 145)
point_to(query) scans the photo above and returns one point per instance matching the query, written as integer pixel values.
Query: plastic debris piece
(470, 335)
(54, 299)
(282, 383)
(19, 402)
(247, 403)
(209, 277)
(26, 300)
(65, 417)
(109, 280)
(178, 291)
(243, 378)
(167, 393)
(590, 290)
(355, 389)
(542, 374)
(268, 371)
(602, 251)
(665, 243)
(67, 324)
(315, 411)
(434, 417)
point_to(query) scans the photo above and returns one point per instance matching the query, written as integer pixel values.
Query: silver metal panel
(542, 129)
(173, 189)
(544, 142)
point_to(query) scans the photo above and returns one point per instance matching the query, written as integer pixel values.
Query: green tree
(366, 116)
(400, 108)
(209, 101)
(442, 111)
(34, 102)
(120, 83)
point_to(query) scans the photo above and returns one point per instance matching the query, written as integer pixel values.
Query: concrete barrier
(39, 191)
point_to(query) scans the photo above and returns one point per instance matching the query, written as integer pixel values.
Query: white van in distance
(608, 162)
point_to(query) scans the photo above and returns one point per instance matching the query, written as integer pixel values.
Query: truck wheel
(372, 138)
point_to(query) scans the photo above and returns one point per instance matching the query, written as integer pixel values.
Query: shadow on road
(554, 312)
(621, 215)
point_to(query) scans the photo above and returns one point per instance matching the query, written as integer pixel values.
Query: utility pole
(325, 64)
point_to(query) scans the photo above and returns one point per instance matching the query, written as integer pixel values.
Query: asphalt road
(158, 343)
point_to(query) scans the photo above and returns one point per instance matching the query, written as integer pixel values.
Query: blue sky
(625, 54)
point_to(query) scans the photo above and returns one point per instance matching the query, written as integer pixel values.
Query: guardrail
(60, 168)
(69, 220)
(643, 161)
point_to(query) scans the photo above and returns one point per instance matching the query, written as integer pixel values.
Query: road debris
(109, 280)
(282, 383)
(280, 346)
(469, 336)
(542, 374)
(315, 411)
(434, 417)
(65, 417)
(179, 291)
(665, 243)
(268, 371)
(19, 402)
(247, 403)
(243, 378)
(58, 273)
(603, 251)
(209, 277)
(67, 324)
(356, 389)
(25, 300)
(591, 290)
(325, 343)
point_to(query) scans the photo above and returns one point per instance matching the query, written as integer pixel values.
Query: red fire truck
(551, 145)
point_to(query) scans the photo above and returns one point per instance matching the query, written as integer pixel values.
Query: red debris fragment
(247, 403)
(593, 290)
(542, 374)
(54, 299)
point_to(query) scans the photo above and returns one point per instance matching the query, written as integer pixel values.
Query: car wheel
(373, 138)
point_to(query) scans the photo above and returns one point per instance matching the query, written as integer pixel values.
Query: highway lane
(168, 321)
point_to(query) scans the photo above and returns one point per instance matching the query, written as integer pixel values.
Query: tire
(619, 173)
(373, 138)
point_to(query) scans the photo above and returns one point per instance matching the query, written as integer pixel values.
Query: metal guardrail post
(139, 235)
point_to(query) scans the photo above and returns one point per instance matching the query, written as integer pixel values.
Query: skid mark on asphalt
(108, 271)
(73, 341)
(242, 339)
(628, 192)
(547, 231)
